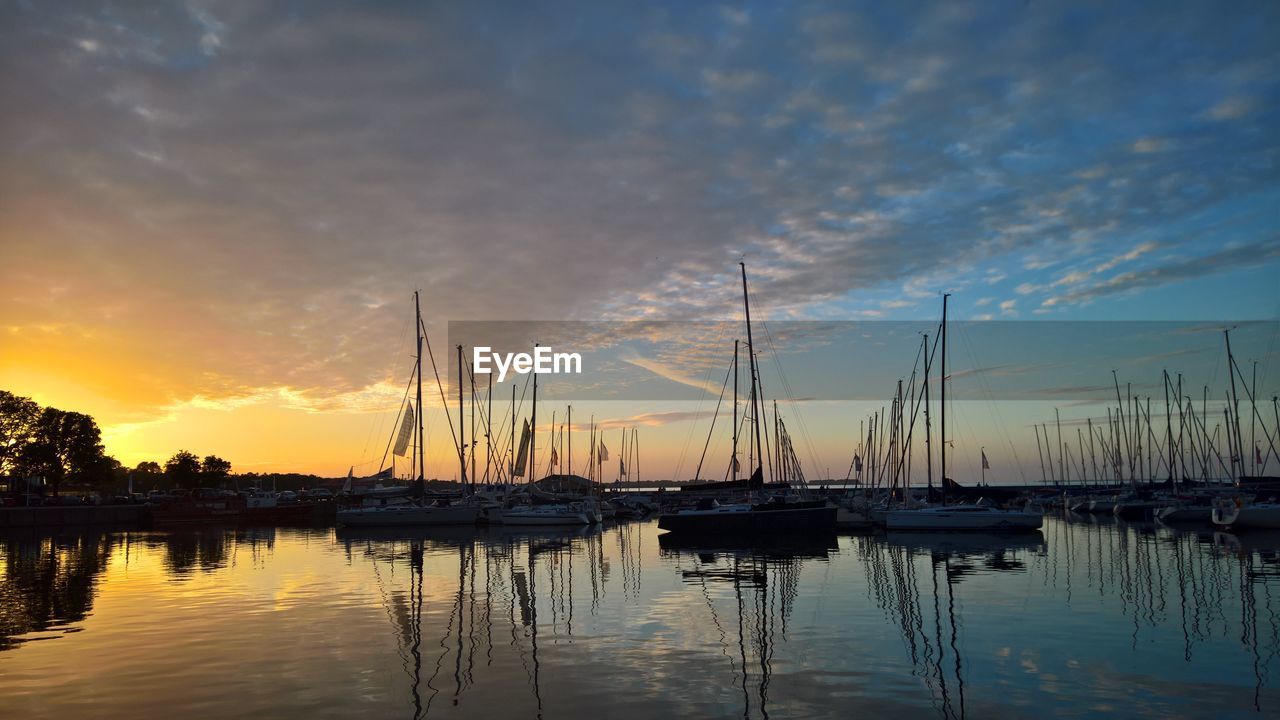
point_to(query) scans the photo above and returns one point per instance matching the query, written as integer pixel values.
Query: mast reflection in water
(1089, 618)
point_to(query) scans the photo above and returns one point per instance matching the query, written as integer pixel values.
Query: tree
(148, 467)
(66, 446)
(215, 468)
(183, 469)
(18, 417)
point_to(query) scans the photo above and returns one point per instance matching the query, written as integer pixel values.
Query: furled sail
(406, 432)
(522, 457)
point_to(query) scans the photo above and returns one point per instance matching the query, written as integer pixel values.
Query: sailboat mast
(1235, 408)
(942, 398)
(462, 428)
(735, 409)
(512, 468)
(533, 430)
(472, 376)
(488, 432)
(928, 428)
(422, 443)
(751, 355)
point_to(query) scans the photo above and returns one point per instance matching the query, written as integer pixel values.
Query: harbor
(1092, 616)
(568, 359)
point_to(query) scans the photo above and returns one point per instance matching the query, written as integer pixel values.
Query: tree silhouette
(183, 469)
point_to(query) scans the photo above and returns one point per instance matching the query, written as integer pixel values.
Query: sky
(213, 215)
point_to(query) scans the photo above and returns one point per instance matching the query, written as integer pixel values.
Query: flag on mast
(555, 458)
(406, 432)
(985, 465)
(604, 452)
(857, 463)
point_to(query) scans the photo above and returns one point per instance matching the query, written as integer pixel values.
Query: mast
(417, 312)
(533, 430)
(462, 427)
(1235, 406)
(751, 355)
(735, 409)
(942, 400)
(928, 428)
(488, 433)
(512, 474)
(472, 376)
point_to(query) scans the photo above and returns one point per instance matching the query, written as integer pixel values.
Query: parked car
(320, 494)
(287, 496)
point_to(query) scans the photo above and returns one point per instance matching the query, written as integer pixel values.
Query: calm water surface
(1083, 620)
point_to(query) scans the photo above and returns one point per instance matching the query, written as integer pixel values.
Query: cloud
(241, 198)
(1182, 269)
(1149, 145)
(1232, 108)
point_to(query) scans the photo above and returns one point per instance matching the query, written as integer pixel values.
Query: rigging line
(688, 438)
(440, 386)
(786, 388)
(991, 403)
(698, 473)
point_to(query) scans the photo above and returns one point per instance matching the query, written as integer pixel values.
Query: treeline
(184, 470)
(61, 446)
(65, 448)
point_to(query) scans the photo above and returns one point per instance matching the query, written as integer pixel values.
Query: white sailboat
(975, 516)
(963, 517)
(417, 512)
(1235, 512)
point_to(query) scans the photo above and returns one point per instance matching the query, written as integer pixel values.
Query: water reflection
(1092, 614)
(48, 583)
(764, 578)
(500, 574)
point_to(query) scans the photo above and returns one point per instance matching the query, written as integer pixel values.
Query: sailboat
(964, 516)
(773, 516)
(536, 508)
(442, 511)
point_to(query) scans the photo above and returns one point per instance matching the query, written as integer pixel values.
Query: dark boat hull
(816, 518)
(231, 512)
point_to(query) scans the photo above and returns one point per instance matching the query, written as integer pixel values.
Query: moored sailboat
(454, 510)
(776, 515)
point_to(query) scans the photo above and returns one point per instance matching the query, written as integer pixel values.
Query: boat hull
(231, 512)
(1187, 513)
(563, 519)
(759, 519)
(410, 516)
(941, 520)
(1248, 516)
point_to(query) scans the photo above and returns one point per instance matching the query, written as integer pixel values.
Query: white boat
(1185, 513)
(962, 517)
(1102, 505)
(1234, 512)
(555, 514)
(411, 515)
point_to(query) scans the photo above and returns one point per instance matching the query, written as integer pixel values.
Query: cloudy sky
(213, 214)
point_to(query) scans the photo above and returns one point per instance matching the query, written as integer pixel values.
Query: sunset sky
(213, 215)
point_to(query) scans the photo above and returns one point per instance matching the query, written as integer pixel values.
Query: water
(1083, 620)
